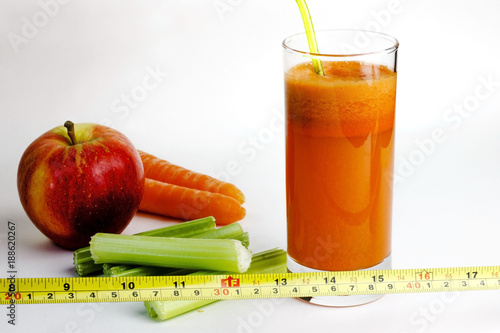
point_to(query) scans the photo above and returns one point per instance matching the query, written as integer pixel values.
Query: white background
(218, 102)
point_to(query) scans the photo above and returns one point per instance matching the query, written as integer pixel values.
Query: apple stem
(71, 131)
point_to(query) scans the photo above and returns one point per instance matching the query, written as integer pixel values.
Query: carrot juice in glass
(340, 154)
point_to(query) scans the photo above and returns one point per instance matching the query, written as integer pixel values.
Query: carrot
(188, 204)
(163, 171)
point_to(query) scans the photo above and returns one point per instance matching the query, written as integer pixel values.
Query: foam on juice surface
(352, 99)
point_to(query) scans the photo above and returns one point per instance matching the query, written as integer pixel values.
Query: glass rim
(392, 48)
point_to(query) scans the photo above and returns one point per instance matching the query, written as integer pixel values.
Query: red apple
(79, 179)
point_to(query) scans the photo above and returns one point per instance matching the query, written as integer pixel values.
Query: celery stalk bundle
(194, 247)
(125, 264)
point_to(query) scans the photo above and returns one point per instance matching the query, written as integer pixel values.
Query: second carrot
(164, 171)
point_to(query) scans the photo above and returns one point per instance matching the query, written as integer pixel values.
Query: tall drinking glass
(340, 154)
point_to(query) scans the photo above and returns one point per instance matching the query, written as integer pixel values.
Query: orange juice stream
(339, 164)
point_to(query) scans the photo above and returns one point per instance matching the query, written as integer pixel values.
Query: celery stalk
(226, 231)
(184, 229)
(84, 264)
(164, 310)
(210, 254)
(114, 269)
(270, 261)
(231, 231)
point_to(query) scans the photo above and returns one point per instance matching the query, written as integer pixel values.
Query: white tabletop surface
(218, 100)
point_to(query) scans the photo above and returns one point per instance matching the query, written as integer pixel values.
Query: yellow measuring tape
(245, 286)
